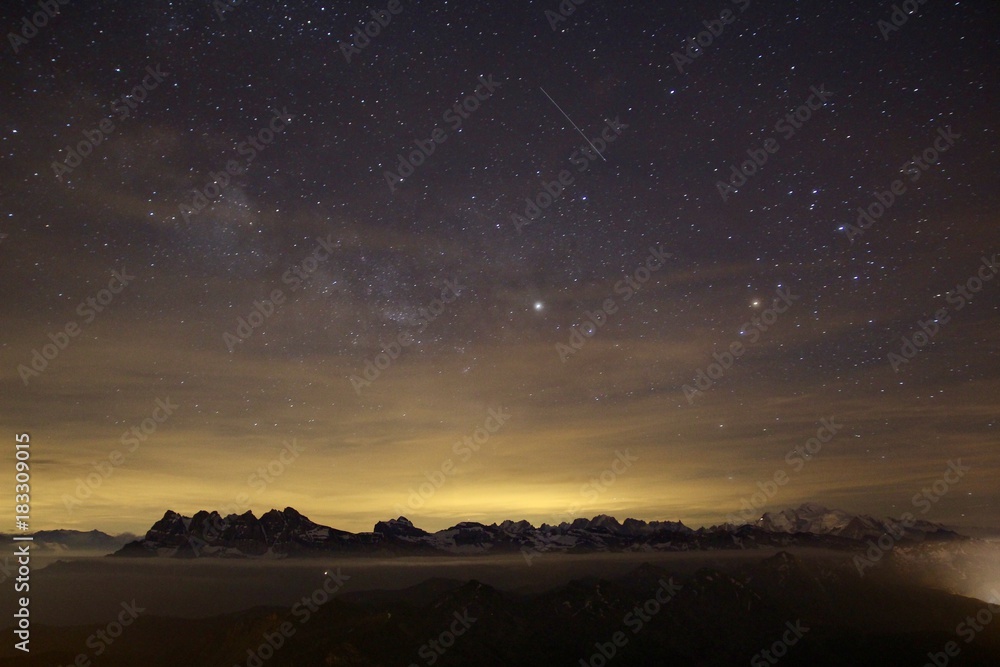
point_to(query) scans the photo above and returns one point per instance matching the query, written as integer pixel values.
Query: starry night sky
(518, 290)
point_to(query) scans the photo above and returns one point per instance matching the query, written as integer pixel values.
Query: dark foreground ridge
(781, 607)
(287, 533)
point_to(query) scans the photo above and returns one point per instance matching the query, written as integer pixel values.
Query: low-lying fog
(91, 590)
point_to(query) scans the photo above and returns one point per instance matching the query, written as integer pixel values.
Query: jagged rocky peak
(516, 526)
(606, 522)
(172, 523)
(401, 527)
(635, 526)
(639, 527)
(288, 516)
(807, 518)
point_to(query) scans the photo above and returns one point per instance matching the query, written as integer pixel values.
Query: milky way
(341, 240)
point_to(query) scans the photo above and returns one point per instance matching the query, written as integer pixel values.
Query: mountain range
(65, 541)
(287, 533)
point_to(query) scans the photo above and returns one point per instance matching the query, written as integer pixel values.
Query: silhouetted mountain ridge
(63, 540)
(288, 533)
